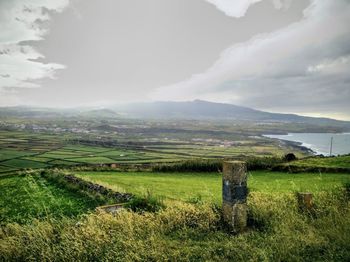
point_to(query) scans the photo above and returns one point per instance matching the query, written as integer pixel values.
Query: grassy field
(188, 229)
(24, 198)
(187, 186)
(25, 150)
(339, 161)
(45, 219)
(278, 230)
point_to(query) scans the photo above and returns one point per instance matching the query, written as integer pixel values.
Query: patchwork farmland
(27, 150)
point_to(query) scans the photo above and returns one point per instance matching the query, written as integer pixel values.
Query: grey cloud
(122, 50)
(302, 68)
(116, 50)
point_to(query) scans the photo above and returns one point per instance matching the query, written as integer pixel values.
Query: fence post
(234, 195)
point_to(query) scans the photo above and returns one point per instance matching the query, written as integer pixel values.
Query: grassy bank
(188, 232)
(339, 164)
(24, 198)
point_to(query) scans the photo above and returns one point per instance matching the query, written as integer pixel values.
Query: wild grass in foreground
(191, 232)
(24, 198)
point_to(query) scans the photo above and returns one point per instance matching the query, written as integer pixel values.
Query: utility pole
(331, 148)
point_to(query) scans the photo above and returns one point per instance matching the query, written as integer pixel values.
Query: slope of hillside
(199, 109)
(190, 110)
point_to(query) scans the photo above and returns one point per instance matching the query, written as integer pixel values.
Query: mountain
(199, 109)
(41, 112)
(33, 112)
(99, 113)
(191, 110)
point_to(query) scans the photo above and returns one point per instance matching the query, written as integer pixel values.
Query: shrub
(262, 163)
(289, 157)
(198, 165)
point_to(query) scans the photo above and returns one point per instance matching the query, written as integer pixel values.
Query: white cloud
(24, 20)
(304, 66)
(17, 67)
(20, 19)
(330, 65)
(234, 8)
(238, 8)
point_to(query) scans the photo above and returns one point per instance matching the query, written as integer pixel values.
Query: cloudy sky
(274, 55)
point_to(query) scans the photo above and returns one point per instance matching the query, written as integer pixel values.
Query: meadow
(208, 186)
(339, 161)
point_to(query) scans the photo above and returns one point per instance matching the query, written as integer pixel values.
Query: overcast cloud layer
(274, 56)
(302, 68)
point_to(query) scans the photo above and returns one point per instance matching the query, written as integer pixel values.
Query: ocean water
(320, 142)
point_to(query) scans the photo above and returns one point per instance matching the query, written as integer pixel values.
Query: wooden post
(305, 200)
(234, 195)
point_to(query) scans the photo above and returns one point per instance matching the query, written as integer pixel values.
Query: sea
(320, 143)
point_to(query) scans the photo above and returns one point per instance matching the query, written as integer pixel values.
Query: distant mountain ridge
(199, 109)
(190, 110)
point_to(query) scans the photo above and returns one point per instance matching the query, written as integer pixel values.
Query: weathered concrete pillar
(305, 201)
(234, 195)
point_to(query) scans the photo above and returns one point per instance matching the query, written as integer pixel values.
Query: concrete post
(234, 195)
(305, 201)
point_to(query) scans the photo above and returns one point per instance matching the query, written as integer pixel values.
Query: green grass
(92, 160)
(24, 198)
(9, 154)
(58, 162)
(39, 146)
(4, 169)
(81, 148)
(54, 155)
(22, 163)
(180, 232)
(185, 186)
(340, 161)
(37, 159)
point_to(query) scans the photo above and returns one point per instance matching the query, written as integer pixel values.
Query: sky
(290, 56)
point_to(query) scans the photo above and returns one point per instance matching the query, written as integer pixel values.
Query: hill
(199, 109)
(190, 110)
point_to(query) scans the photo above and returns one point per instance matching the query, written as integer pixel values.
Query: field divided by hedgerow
(25, 150)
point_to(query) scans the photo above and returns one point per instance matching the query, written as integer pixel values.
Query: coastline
(298, 145)
(294, 144)
(316, 143)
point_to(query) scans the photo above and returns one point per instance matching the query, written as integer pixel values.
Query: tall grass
(24, 198)
(187, 232)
